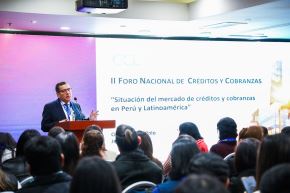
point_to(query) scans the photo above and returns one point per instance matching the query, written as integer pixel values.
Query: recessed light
(65, 28)
(144, 31)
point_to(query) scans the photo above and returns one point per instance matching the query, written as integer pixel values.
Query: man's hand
(64, 120)
(93, 115)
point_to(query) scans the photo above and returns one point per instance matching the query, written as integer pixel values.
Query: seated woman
(18, 165)
(94, 175)
(274, 150)
(8, 182)
(227, 129)
(93, 144)
(167, 164)
(245, 163)
(7, 147)
(210, 164)
(70, 149)
(106, 154)
(147, 147)
(132, 165)
(254, 132)
(276, 179)
(181, 153)
(191, 129)
(251, 132)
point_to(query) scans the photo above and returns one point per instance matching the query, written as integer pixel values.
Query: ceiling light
(65, 28)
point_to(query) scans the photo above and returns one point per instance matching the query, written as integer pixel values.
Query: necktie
(67, 109)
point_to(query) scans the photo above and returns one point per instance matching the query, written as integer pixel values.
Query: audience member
(107, 154)
(256, 154)
(167, 163)
(201, 184)
(181, 153)
(276, 179)
(7, 147)
(18, 165)
(286, 130)
(92, 127)
(93, 144)
(132, 165)
(211, 164)
(44, 157)
(248, 132)
(265, 131)
(70, 149)
(8, 182)
(94, 175)
(245, 163)
(147, 147)
(54, 131)
(191, 129)
(252, 131)
(273, 150)
(227, 129)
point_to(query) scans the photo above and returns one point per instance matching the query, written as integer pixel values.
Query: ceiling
(252, 21)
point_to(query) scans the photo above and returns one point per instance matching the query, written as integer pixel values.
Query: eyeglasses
(65, 90)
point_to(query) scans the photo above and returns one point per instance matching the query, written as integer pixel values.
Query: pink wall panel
(31, 65)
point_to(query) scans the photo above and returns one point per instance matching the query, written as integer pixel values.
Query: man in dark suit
(62, 109)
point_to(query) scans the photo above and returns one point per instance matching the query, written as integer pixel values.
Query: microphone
(76, 99)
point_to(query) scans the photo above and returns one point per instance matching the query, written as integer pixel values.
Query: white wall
(206, 8)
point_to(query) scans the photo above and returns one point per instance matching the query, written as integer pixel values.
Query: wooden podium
(78, 127)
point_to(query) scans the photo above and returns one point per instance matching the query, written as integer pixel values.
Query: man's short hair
(58, 85)
(43, 153)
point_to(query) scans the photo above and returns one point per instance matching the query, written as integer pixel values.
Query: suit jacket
(53, 113)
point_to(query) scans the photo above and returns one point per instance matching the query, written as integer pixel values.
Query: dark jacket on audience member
(135, 166)
(223, 148)
(55, 183)
(18, 167)
(236, 185)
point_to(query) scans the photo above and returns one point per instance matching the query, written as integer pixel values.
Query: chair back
(231, 155)
(141, 186)
(26, 180)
